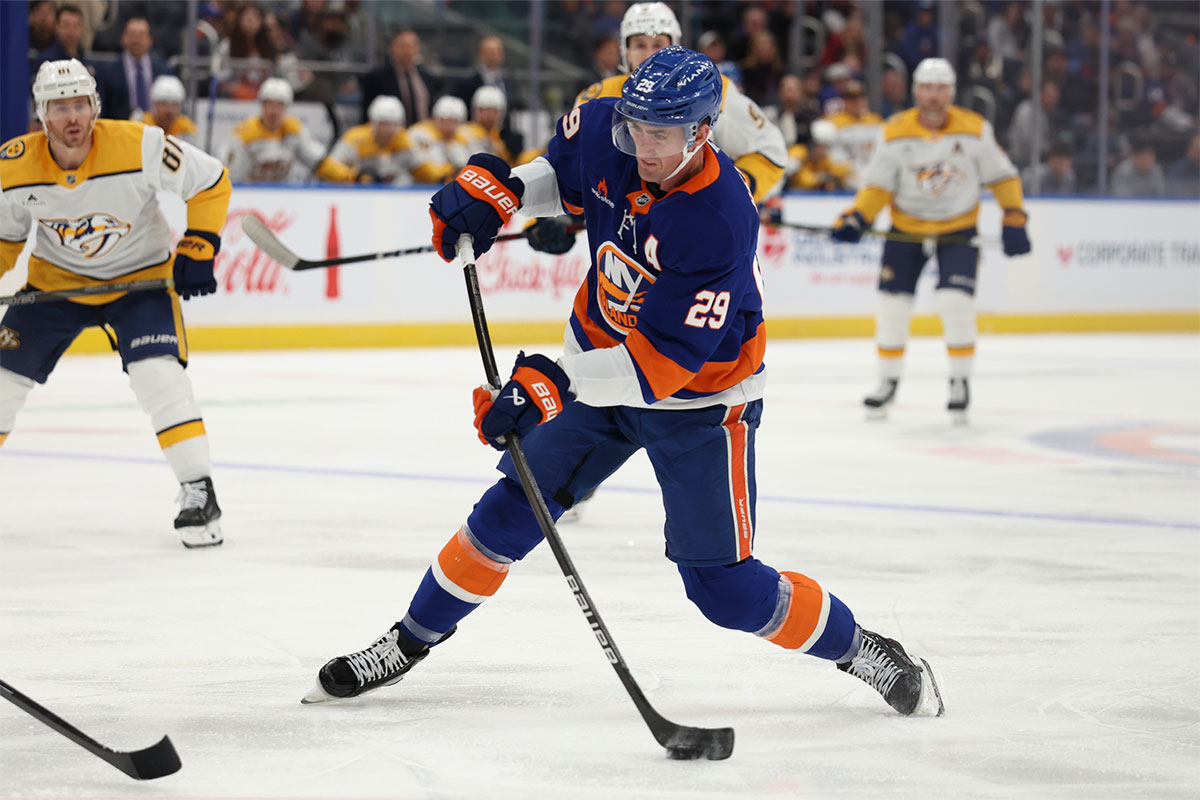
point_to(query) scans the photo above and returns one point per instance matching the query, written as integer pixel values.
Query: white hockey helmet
(823, 132)
(449, 107)
(276, 89)
(65, 78)
(167, 89)
(934, 70)
(488, 97)
(386, 108)
(649, 19)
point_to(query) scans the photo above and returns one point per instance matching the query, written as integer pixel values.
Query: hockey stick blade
(155, 761)
(681, 742)
(261, 235)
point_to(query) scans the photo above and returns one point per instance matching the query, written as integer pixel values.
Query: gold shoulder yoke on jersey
(907, 125)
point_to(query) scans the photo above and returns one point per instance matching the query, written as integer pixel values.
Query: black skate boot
(198, 523)
(385, 662)
(960, 398)
(878, 400)
(906, 685)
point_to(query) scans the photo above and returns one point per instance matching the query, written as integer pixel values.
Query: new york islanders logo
(934, 180)
(621, 284)
(91, 236)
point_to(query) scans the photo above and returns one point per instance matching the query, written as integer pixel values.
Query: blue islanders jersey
(673, 278)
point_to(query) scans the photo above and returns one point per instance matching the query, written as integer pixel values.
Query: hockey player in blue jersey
(664, 352)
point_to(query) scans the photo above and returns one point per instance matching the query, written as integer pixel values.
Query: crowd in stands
(1151, 144)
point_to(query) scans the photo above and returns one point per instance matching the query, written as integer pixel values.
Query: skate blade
(316, 695)
(931, 704)
(958, 417)
(196, 537)
(876, 414)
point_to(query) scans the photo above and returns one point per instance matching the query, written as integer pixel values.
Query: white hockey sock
(957, 309)
(14, 389)
(165, 393)
(892, 323)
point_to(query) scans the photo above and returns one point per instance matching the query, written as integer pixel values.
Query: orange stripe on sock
(180, 433)
(895, 352)
(736, 432)
(806, 613)
(959, 352)
(469, 569)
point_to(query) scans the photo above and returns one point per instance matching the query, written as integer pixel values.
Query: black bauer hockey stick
(892, 236)
(681, 741)
(269, 243)
(28, 298)
(152, 762)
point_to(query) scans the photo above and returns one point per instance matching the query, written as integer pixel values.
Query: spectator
(489, 71)
(895, 93)
(330, 42)
(439, 146)
(1020, 130)
(1139, 175)
(306, 18)
(167, 96)
(1056, 175)
(402, 76)
(68, 38)
(850, 41)
(754, 22)
(762, 69)
(124, 84)
(836, 78)
(250, 39)
(1008, 33)
(712, 45)
(41, 25)
(606, 59)
(379, 148)
(795, 112)
(1183, 176)
(920, 36)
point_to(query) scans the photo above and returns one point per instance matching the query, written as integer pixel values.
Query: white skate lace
(377, 661)
(192, 495)
(875, 667)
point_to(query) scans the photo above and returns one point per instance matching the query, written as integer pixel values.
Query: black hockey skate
(906, 685)
(198, 523)
(386, 661)
(960, 398)
(878, 400)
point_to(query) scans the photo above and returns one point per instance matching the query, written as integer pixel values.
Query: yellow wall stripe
(521, 333)
(180, 433)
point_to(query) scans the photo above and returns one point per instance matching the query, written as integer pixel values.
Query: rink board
(1098, 265)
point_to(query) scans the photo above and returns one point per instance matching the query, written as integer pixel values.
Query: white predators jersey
(436, 159)
(856, 140)
(743, 132)
(101, 220)
(358, 149)
(258, 155)
(934, 178)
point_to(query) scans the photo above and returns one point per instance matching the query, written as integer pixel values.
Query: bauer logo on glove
(478, 202)
(537, 392)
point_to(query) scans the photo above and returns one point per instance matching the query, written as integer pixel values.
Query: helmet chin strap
(687, 156)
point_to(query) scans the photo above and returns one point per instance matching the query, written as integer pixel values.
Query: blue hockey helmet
(675, 87)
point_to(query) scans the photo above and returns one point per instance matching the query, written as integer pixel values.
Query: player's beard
(72, 134)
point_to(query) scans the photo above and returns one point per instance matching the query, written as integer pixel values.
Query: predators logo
(934, 180)
(9, 339)
(621, 285)
(92, 236)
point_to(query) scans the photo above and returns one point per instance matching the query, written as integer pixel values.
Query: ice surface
(1045, 559)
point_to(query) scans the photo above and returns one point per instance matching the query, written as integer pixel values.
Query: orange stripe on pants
(806, 614)
(474, 575)
(890, 352)
(180, 433)
(739, 493)
(958, 352)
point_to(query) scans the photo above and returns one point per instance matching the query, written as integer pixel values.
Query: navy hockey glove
(537, 392)
(194, 263)
(1016, 240)
(550, 235)
(849, 227)
(483, 197)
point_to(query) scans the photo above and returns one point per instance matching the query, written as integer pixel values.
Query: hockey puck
(682, 752)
